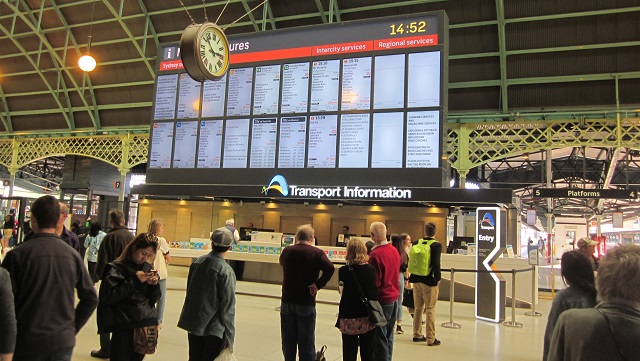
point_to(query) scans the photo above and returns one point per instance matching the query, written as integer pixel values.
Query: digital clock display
(414, 27)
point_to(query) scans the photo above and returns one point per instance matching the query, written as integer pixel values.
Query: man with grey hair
(301, 266)
(611, 330)
(386, 260)
(230, 224)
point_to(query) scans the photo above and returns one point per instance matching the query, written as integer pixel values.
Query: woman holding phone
(128, 295)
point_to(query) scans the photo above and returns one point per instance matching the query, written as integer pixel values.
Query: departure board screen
(323, 135)
(325, 85)
(387, 140)
(263, 143)
(337, 103)
(210, 141)
(214, 95)
(293, 141)
(164, 106)
(295, 88)
(184, 146)
(162, 139)
(236, 143)
(239, 94)
(267, 90)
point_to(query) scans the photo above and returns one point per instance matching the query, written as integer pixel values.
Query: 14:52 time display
(413, 27)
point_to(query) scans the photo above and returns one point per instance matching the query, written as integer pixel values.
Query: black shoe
(399, 330)
(100, 354)
(436, 342)
(420, 339)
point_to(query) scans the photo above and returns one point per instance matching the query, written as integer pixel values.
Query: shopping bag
(226, 355)
(407, 298)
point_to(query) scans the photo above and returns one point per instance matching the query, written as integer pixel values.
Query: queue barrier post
(513, 322)
(533, 311)
(452, 286)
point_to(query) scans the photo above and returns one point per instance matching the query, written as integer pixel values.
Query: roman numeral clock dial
(204, 50)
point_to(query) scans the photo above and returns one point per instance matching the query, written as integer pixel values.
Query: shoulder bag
(145, 339)
(613, 334)
(374, 308)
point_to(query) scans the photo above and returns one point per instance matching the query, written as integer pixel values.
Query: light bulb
(87, 62)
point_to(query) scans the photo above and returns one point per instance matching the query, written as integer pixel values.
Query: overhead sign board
(578, 193)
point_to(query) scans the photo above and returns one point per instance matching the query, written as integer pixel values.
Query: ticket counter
(261, 267)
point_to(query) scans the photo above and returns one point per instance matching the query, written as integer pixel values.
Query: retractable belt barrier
(513, 272)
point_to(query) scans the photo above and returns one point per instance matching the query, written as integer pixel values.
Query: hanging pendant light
(87, 62)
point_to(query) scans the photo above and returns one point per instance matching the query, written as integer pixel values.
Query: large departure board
(346, 103)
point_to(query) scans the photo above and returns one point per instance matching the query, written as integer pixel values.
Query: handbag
(320, 354)
(145, 340)
(407, 298)
(374, 308)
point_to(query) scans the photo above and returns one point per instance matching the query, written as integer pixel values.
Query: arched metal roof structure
(514, 65)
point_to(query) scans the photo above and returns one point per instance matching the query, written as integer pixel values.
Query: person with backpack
(424, 266)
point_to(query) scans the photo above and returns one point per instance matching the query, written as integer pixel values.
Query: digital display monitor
(331, 105)
(164, 105)
(184, 146)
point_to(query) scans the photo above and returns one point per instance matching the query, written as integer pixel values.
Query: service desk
(261, 267)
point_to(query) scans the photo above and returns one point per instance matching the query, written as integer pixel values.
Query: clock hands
(212, 51)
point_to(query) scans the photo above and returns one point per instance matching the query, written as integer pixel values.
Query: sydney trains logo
(487, 221)
(277, 183)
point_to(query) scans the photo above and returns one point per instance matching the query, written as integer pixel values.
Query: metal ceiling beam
(323, 16)
(37, 21)
(247, 9)
(83, 108)
(57, 58)
(6, 117)
(272, 20)
(148, 26)
(503, 55)
(390, 4)
(574, 15)
(334, 10)
(132, 38)
(96, 118)
(103, 86)
(61, 108)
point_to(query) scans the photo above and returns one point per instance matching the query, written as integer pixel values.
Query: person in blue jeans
(301, 264)
(386, 261)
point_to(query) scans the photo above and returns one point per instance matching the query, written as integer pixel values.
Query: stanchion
(513, 322)
(533, 311)
(452, 287)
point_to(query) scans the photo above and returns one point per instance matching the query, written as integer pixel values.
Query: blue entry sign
(490, 287)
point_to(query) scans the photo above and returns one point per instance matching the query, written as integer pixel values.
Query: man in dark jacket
(67, 236)
(44, 272)
(111, 248)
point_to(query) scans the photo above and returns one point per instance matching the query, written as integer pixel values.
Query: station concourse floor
(258, 329)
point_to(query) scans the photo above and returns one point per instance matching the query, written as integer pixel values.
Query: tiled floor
(258, 330)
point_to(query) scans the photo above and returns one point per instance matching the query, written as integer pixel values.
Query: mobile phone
(153, 272)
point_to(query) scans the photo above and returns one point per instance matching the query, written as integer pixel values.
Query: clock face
(213, 51)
